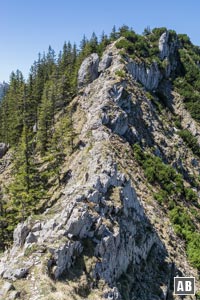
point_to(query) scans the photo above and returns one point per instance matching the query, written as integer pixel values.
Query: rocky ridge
(106, 237)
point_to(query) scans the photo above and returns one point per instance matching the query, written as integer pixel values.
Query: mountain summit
(122, 218)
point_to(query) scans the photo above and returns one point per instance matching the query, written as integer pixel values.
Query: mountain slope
(114, 230)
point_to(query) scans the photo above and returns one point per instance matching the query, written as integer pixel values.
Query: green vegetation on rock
(171, 190)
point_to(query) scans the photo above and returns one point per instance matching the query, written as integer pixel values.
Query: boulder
(12, 274)
(20, 234)
(7, 287)
(14, 295)
(31, 238)
(88, 71)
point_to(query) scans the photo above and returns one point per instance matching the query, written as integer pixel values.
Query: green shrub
(187, 84)
(193, 249)
(125, 44)
(190, 195)
(161, 196)
(170, 182)
(190, 141)
(179, 216)
(177, 122)
(158, 172)
(120, 73)
(131, 36)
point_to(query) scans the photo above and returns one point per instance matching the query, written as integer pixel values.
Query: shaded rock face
(148, 76)
(3, 149)
(88, 70)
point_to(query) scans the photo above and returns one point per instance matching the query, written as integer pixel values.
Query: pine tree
(46, 117)
(12, 109)
(62, 143)
(114, 35)
(93, 43)
(26, 188)
(3, 222)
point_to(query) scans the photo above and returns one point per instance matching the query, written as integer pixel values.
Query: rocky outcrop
(167, 46)
(63, 258)
(150, 76)
(105, 62)
(163, 45)
(88, 70)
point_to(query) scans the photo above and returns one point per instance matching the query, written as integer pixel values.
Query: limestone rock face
(163, 45)
(88, 70)
(167, 47)
(105, 62)
(148, 76)
(20, 234)
(63, 258)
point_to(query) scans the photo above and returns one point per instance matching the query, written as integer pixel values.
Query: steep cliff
(110, 233)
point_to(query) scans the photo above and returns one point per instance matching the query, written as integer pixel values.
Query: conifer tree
(26, 188)
(46, 118)
(114, 34)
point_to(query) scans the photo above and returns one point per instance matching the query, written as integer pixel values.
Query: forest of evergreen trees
(27, 125)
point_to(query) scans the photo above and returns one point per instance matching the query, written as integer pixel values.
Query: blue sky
(28, 27)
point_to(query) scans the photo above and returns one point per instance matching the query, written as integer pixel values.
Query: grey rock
(13, 274)
(3, 149)
(3, 268)
(163, 45)
(79, 222)
(119, 123)
(105, 62)
(31, 238)
(88, 71)
(14, 295)
(112, 294)
(64, 257)
(151, 76)
(20, 273)
(20, 234)
(148, 76)
(7, 287)
(36, 227)
(35, 128)
(194, 162)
